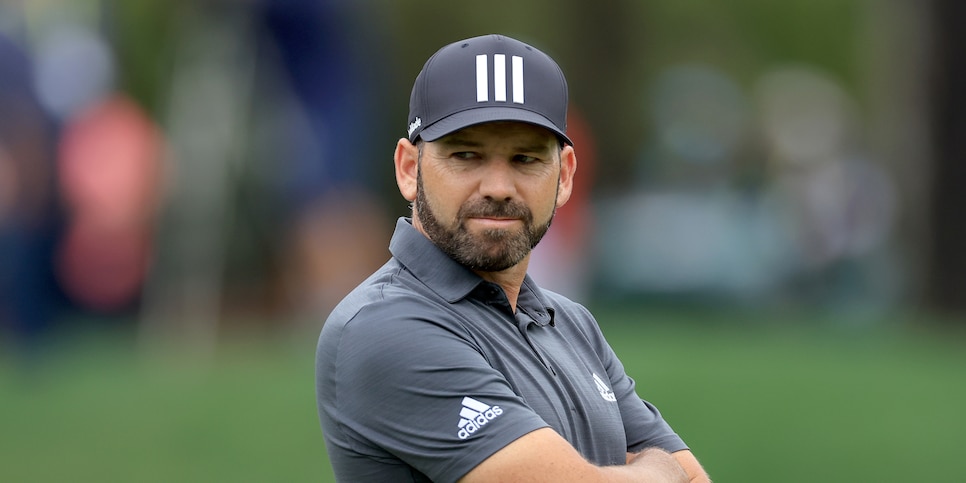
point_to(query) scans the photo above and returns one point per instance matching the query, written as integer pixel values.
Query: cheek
(442, 197)
(550, 199)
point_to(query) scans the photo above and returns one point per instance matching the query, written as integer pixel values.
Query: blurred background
(766, 214)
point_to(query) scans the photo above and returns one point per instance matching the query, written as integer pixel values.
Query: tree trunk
(946, 279)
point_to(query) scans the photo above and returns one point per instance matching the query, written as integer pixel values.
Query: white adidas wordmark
(475, 415)
(605, 391)
(499, 78)
(415, 125)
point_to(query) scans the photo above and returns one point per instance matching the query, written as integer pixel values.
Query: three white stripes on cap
(499, 78)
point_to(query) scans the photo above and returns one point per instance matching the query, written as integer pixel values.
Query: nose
(498, 181)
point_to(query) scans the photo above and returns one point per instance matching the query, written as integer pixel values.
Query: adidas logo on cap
(475, 415)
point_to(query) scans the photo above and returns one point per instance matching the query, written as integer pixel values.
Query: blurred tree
(599, 59)
(143, 37)
(946, 277)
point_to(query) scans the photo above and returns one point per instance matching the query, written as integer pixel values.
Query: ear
(568, 166)
(406, 160)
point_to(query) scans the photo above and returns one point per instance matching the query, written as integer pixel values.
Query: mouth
(493, 222)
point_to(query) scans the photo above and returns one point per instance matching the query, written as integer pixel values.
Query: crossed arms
(545, 456)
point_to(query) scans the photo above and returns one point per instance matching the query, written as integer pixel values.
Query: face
(486, 194)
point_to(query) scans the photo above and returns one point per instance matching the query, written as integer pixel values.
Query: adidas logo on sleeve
(474, 415)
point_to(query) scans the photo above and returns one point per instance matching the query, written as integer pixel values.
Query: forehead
(515, 131)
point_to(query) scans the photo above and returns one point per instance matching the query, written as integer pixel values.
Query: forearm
(692, 467)
(650, 465)
(544, 456)
(688, 462)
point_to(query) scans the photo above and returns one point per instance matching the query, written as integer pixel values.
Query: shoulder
(393, 312)
(389, 296)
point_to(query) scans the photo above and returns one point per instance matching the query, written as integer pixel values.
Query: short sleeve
(643, 424)
(416, 390)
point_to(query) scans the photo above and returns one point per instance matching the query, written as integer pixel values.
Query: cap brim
(470, 117)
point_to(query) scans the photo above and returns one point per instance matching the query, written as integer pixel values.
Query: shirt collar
(451, 280)
(429, 264)
(534, 302)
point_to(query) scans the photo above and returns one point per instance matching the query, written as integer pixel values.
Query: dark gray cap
(484, 79)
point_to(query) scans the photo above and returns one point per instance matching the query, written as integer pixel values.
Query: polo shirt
(423, 371)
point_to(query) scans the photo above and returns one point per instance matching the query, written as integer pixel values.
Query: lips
(495, 211)
(495, 222)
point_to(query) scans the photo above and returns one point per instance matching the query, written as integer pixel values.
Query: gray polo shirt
(424, 371)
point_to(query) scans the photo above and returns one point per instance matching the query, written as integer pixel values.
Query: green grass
(807, 404)
(101, 412)
(791, 402)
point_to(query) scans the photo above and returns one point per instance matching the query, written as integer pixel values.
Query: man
(449, 363)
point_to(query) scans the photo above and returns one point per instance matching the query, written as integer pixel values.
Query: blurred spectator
(693, 230)
(838, 203)
(109, 168)
(108, 155)
(26, 208)
(812, 228)
(329, 54)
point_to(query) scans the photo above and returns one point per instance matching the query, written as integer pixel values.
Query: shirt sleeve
(644, 426)
(418, 390)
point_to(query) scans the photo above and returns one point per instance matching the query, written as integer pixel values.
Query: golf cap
(485, 79)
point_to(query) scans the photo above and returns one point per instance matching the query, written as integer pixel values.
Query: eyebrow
(536, 148)
(455, 141)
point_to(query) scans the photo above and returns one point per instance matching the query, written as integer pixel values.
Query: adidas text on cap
(485, 79)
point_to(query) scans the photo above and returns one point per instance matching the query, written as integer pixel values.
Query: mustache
(495, 209)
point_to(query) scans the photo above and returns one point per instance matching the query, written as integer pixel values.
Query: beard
(491, 250)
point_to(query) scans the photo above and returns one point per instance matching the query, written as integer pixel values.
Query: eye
(523, 158)
(465, 155)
